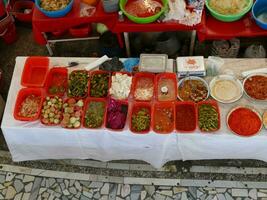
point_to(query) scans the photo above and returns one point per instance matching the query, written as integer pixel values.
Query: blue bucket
(258, 9)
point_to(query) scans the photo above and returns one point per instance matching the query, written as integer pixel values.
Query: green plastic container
(143, 20)
(229, 18)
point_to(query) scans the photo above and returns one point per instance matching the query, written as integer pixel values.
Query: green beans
(141, 120)
(94, 115)
(208, 118)
(78, 81)
(99, 85)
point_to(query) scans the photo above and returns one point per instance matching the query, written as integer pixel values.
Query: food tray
(135, 108)
(35, 71)
(55, 72)
(89, 82)
(163, 105)
(23, 93)
(85, 109)
(155, 63)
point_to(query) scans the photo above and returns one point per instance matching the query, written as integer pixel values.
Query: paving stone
(221, 190)
(221, 197)
(78, 194)
(215, 198)
(203, 197)
(26, 196)
(57, 189)
(125, 190)
(28, 187)
(4, 191)
(66, 183)
(165, 192)
(184, 196)
(135, 195)
(212, 192)
(57, 194)
(85, 183)
(62, 186)
(35, 188)
(6, 184)
(18, 185)
(72, 181)
(240, 192)
(20, 177)
(119, 189)
(179, 189)
(64, 198)
(262, 190)
(9, 176)
(228, 196)
(149, 198)
(118, 198)
(11, 192)
(43, 183)
(78, 185)
(177, 196)
(261, 194)
(112, 191)
(104, 197)
(199, 193)
(2, 187)
(158, 196)
(96, 185)
(105, 189)
(2, 178)
(51, 197)
(150, 189)
(73, 190)
(66, 192)
(59, 180)
(136, 188)
(45, 195)
(97, 195)
(28, 178)
(84, 198)
(51, 181)
(128, 198)
(193, 191)
(210, 197)
(1, 197)
(42, 190)
(252, 193)
(169, 198)
(143, 194)
(88, 194)
(18, 196)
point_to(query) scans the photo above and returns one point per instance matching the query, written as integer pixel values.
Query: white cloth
(34, 141)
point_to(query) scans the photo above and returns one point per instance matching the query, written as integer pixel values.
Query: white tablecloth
(33, 141)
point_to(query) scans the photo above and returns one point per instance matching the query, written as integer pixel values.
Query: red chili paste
(185, 117)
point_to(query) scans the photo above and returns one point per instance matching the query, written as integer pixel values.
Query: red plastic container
(76, 108)
(53, 77)
(86, 89)
(171, 76)
(106, 120)
(136, 107)
(137, 78)
(86, 108)
(9, 34)
(184, 116)
(22, 95)
(113, 74)
(215, 104)
(81, 31)
(161, 106)
(94, 73)
(18, 10)
(35, 72)
(51, 124)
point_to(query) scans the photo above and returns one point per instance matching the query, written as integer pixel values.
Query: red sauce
(244, 121)
(185, 117)
(256, 87)
(164, 120)
(143, 8)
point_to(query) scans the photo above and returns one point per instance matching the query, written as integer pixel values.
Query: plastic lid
(153, 62)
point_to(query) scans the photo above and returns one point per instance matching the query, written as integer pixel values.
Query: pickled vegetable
(30, 106)
(99, 85)
(52, 110)
(94, 114)
(208, 118)
(78, 84)
(141, 120)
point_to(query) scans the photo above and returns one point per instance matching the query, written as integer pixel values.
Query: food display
(186, 117)
(72, 113)
(143, 86)
(116, 114)
(193, 89)
(163, 118)
(264, 119)
(51, 113)
(94, 114)
(30, 106)
(226, 89)
(255, 86)
(57, 81)
(53, 5)
(244, 121)
(228, 7)
(208, 117)
(166, 87)
(78, 84)
(120, 86)
(141, 118)
(99, 84)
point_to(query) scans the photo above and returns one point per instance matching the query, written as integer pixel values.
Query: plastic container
(229, 18)
(143, 20)
(178, 106)
(98, 72)
(52, 77)
(86, 106)
(215, 104)
(81, 31)
(136, 79)
(171, 76)
(135, 108)
(110, 5)
(18, 10)
(22, 95)
(161, 106)
(35, 72)
(155, 63)
(57, 13)
(259, 7)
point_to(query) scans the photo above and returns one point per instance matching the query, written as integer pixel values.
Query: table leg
(192, 42)
(127, 44)
(50, 51)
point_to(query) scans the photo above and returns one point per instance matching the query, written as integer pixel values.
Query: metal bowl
(226, 77)
(193, 78)
(256, 74)
(250, 108)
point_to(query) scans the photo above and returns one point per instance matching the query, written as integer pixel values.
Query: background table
(32, 141)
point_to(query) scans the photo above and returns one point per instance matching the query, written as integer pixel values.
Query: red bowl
(22, 95)
(19, 6)
(89, 84)
(35, 71)
(86, 106)
(162, 105)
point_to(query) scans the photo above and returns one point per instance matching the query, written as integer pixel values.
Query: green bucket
(143, 20)
(229, 18)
